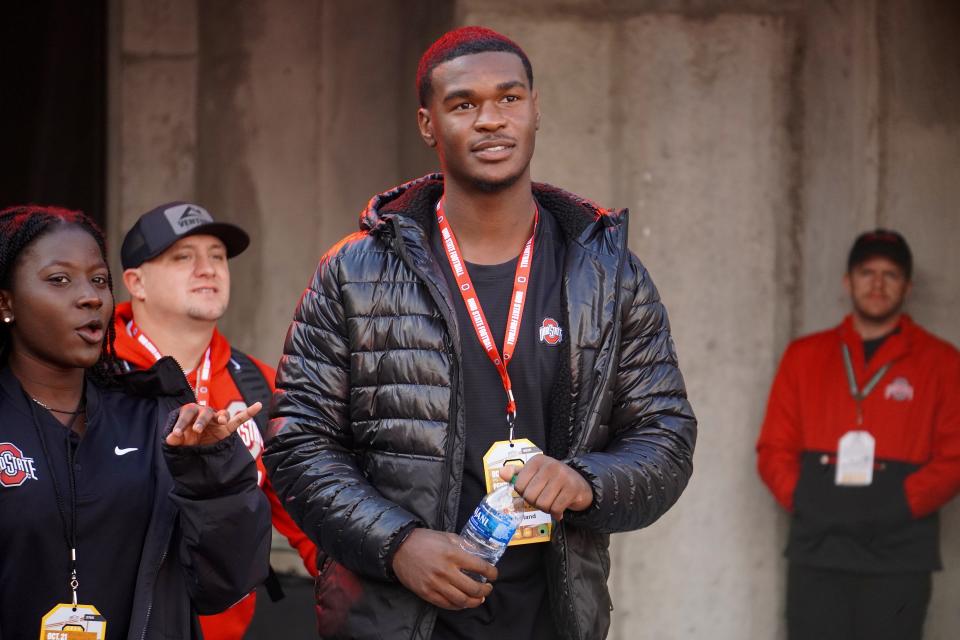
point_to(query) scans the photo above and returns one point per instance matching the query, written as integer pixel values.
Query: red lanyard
(475, 311)
(202, 389)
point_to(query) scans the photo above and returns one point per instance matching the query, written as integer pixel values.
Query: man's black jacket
(208, 543)
(368, 423)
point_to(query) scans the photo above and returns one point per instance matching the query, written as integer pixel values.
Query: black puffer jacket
(368, 423)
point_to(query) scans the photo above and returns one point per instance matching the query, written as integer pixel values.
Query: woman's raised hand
(200, 425)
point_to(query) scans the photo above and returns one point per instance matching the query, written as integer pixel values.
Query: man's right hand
(430, 564)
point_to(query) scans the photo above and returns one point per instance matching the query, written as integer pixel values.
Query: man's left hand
(550, 485)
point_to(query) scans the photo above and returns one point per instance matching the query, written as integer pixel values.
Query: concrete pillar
(709, 178)
(920, 75)
(260, 69)
(842, 134)
(920, 192)
(152, 109)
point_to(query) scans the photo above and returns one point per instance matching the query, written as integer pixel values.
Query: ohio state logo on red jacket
(15, 468)
(550, 332)
(900, 390)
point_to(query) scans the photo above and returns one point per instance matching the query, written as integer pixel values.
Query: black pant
(823, 604)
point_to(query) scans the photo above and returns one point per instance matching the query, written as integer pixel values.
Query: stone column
(152, 138)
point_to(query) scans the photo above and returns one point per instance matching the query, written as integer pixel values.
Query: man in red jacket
(861, 443)
(175, 268)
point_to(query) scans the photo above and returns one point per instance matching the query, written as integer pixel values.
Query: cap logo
(184, 217)
(15, 468)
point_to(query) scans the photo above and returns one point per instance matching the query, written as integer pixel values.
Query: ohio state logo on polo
(15, 468)
(550, 332)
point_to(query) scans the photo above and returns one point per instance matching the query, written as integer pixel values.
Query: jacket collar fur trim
(415, 200)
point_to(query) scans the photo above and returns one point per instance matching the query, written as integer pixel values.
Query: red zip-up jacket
(232, 623)
(913, 413)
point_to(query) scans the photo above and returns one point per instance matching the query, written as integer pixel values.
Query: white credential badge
(855, 459)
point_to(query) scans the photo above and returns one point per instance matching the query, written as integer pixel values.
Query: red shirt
(233, 623)
(913, 412)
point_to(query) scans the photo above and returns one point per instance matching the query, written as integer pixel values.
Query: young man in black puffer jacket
(475, 309)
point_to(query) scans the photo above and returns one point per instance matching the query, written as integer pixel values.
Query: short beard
(206, 315)
(485, 186)
(877, 319)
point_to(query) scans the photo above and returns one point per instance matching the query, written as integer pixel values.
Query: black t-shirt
(115, 492)
(870, 347)
(518, 607)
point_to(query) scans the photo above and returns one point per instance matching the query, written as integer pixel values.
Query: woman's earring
(7, 319)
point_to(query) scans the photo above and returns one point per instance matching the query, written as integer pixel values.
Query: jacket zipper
(193, 392)
(598, 394)
(614, 339)
(146, 619)
(454, 384)
(166, 547)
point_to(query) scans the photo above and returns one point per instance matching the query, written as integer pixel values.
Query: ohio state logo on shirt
(899, 390)
(15, 468)
(550, 332)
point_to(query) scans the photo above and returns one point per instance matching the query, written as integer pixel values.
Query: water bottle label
(492, 525)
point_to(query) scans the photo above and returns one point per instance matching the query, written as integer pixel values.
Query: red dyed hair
(463, 42)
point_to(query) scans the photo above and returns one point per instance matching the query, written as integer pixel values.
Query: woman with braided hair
(122, 501)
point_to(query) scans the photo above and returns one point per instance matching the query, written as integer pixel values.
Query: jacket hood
(129, 349)
(416, 199)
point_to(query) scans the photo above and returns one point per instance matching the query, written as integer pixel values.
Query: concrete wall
(882, 141)
(920, 194)
(751, 140)
(282, 116)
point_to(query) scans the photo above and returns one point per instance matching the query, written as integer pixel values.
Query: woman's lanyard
(859, 395)
(475, 310)
(69, 524)
(202, 390)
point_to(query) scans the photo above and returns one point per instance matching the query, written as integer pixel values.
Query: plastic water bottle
(492, 525)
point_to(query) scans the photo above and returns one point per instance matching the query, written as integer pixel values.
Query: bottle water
(492, 525)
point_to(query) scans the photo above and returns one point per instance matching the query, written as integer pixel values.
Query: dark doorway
(53, 104)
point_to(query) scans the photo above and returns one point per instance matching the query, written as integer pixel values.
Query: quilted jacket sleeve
(310, 457)
(648, 461)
